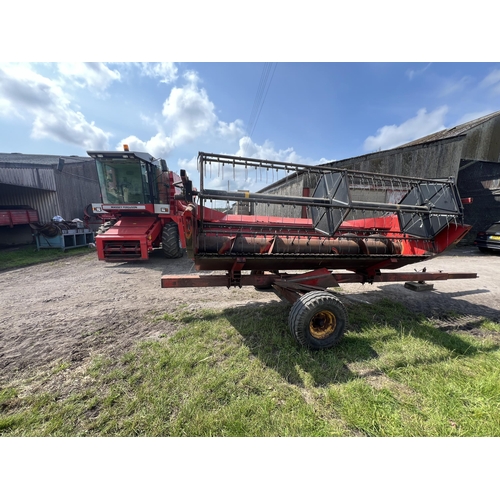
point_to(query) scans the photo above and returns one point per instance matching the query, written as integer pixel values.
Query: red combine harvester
(361, 222)
(141, 206)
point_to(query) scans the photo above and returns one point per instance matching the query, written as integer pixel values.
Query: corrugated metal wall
(45, 202)
(39, 178)
(77, 186)
(51, 191)
(295, 186)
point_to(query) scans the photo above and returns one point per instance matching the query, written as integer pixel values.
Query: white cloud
(158, 146)
(241, 178)
(391, 136)
(413, 73)
(20, 84)
(6, 107)
(95, 76)
(148, 120)
(453, 86)
(266, 151)
(189, 111)
(188, 165)
(230, 131)
(213, 179)
(492, 80)
(166, 72)
(192, 77)
(188, 114)
(322, 161)
(71, 127)
(44, 101)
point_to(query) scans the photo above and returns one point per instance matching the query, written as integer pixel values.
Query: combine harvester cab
(360, 222)
(140, 206)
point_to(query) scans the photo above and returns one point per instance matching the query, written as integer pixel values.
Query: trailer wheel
(170, 242)
(318, 320)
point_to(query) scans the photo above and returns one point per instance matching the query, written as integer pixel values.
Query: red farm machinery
(364, 224)
(142, 203)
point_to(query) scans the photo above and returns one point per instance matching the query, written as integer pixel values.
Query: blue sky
(309, 112)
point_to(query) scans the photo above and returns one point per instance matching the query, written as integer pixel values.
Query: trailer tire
(318, 320)
(170, 242)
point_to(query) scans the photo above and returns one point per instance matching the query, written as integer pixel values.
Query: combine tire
(170, 241)
(318, 320)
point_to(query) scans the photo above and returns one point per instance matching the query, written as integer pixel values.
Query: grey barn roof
(451, 132)
(39, 160)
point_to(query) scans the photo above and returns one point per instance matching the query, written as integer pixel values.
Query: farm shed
(51, 185)
(470, 153)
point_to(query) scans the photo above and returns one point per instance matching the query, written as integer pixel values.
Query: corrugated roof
(452, 132)
(39, 160)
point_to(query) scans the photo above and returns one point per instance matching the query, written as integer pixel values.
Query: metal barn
(51, 185)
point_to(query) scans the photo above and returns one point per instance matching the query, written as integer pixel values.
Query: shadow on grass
(264, 328)
(435, 302)
(398, 318)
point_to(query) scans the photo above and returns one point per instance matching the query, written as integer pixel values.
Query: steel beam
(319, 279)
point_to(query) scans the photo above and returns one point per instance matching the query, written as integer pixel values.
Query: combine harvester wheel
(170, 241)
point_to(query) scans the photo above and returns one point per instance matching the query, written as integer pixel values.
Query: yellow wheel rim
(322, 324)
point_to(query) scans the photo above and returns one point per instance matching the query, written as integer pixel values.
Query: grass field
(27, 255)
(238, 372)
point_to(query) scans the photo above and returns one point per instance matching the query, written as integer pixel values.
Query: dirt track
(68, 310)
